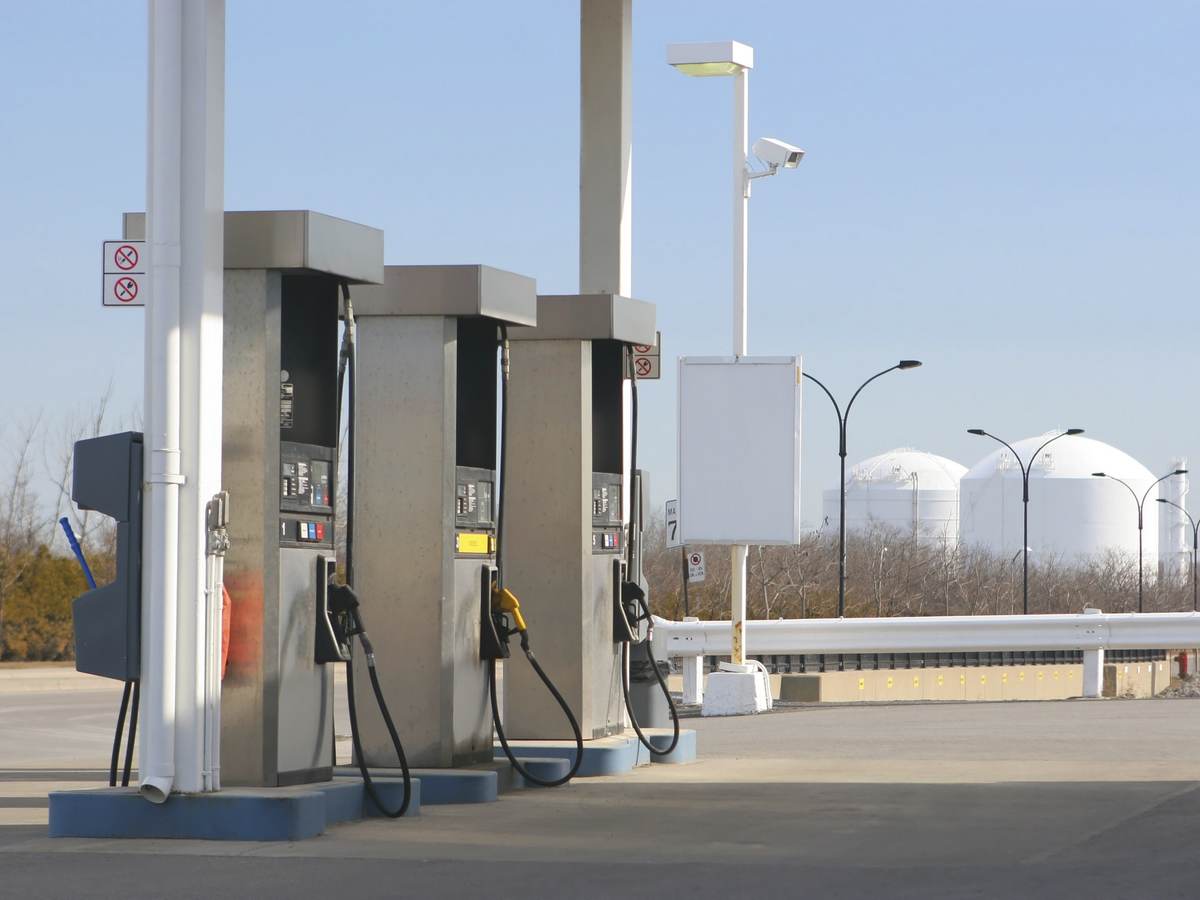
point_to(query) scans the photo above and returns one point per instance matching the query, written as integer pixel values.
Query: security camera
(776, 153)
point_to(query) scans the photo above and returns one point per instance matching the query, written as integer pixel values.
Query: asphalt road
(935, 801)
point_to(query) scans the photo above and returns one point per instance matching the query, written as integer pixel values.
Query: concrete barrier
(1137, 679)
(985, 683)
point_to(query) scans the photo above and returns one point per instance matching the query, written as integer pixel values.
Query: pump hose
(521, 770)
(346, 367)
(368, 783)
(666, 693)
(633, 447)
(550, 686)
(116, 750)
(133, 722)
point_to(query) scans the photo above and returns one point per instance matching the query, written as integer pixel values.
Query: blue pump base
(612, 755)
(236, 814)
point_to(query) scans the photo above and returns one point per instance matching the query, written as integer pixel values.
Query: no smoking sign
(124, 273)
(646, 359)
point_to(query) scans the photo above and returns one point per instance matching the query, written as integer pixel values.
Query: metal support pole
(741, 204)
(842, 531)
(1140, 566)
(1025, 549)
(683, 570)
(185, 233)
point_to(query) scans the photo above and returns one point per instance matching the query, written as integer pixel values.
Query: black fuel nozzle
(343, 603)
(631, 602)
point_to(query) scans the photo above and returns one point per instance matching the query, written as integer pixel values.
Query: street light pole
(1025, 470)
(842, 419)
(1141, 502)
(733, 59)
(1195, 545)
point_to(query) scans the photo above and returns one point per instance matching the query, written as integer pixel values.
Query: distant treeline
(896, 573)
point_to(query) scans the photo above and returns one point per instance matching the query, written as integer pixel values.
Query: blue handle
(78, 551)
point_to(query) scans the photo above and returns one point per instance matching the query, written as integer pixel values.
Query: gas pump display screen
(607, 530)
(306, 486)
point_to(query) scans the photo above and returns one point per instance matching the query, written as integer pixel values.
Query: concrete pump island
(385, 616)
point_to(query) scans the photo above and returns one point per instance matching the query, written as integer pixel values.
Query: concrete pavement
(985, 800)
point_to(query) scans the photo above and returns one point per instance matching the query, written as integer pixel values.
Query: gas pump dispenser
(426, 492)
(283, 275)
(567, 506)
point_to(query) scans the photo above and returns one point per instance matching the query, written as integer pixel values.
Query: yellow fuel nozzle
(504, 600)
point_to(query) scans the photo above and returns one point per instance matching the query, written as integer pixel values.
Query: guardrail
(1092, 631)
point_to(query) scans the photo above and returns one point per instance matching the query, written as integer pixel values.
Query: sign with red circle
(125, 274)
(125, 289)
(126, 257)
(646, 358)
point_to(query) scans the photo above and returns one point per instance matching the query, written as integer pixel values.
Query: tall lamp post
(1195, 543)
(1141, 503)
(1026, 468)
(842, 417)
(733, 59)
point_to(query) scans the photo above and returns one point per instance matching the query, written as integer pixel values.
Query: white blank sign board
(739, 450)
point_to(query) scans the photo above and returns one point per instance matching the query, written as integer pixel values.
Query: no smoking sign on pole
(646, 358)
(124, 273)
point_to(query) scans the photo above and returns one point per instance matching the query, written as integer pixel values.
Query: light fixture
(712, 58)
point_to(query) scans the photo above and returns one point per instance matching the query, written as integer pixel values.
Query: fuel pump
(566, 507)
(290, 619)
(426, 500)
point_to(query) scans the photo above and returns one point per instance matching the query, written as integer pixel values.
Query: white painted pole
(185, 224)
(741, 203)
(202, 274)
(160, 585)
(1093, 665)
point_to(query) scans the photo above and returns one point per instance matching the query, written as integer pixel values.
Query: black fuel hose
(368, 783)
(645, 612)
(346, 368)
(558, 697)
(666, 693)
(550, 686)
(133, 723)
(120, 732)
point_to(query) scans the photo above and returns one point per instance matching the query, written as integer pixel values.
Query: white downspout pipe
(160, 584)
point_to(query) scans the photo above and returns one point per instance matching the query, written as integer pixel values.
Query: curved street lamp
(904, 364)
(1141, 502)
(1195, 542)
(1025, 470)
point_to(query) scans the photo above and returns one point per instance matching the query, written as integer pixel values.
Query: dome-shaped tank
(1073, 516)
(904, 489)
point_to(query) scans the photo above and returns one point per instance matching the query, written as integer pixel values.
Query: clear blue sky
(1006, 191)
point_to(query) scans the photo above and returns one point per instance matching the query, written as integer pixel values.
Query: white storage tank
(906, 490)
(1073, 516)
